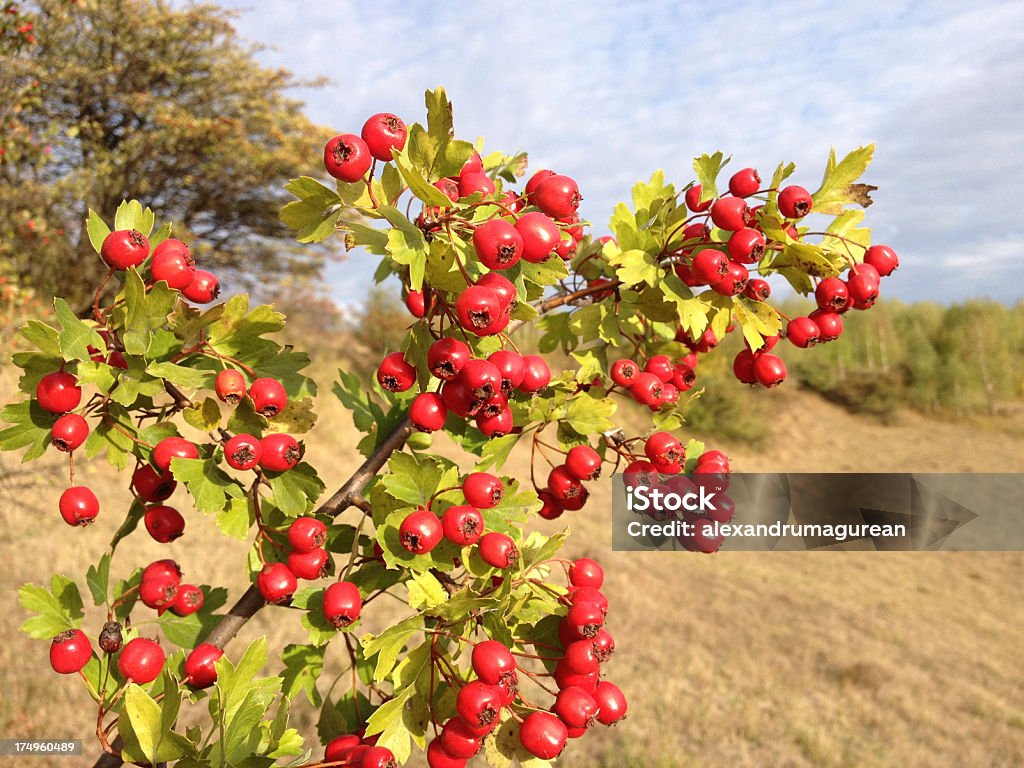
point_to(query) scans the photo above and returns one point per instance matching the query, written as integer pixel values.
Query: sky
(608, 92)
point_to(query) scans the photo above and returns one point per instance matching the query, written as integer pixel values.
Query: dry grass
(796, 659)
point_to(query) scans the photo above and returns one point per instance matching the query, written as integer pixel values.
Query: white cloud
(609, 91)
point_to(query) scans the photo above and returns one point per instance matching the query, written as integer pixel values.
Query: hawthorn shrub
(505, 647)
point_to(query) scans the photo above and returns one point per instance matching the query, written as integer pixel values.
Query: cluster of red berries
(462, 524)
(348, 157)
(171, 263)
(564, 490)
(355, 750)
(659, 382)
(475, 388)
(162, 590)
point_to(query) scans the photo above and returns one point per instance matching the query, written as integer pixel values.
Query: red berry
(730, 213)
(347, 157)
(863, 287)
(743, 367)
(583, 462)
(557, 196)
(382, 132)
(395, 374)
(459, 398)
(268, 397)
(551, 508)
(124, 248)
(439, 757)
(420, 531)
(459, 740)
(478, 307)
(492, 661)
(794, 202)
(69, 432)
(378, 757)
(496, 425)
(543, 735)
(664, 448)
(279, 452)
(173, 264)
(585, 619)
(78, 505)
(340, 748)
(482, 490)
(173, 448)
(693, 199)
(204, 288)
(276, 583)
(563, 485)
(471, 183)
(230, 386)
(311, 565)
(832, 294)
(158, 593)
(479, 705)
(535, 180)
(416, 303)
(58, 392)
(428, 412)
(342, 603)
(474, 164)
(758, 290)
(746, 245)
(462, 525)
(586, 573)
(141, 660)
(734, 282)
(165, 524)
(581, 659)
(575, 707)
(604, 645)
(566, 679)
(624, 372)
(769, 370)
(482, 377)
(200, 669)
(306, 534)
(243, 452)
(611, 703)
(540, 236)
(188, 600)
(162, 569)
(501, 285)
(883, 258)
(70, 651)
(498, 244)
(647, 389)
(498, 550)
(803, 332)
(447, 357)
(536, 374)
(744, 183)
(660, 366)
(683, 377)
(830, 324)
(710, 266)
(511, 367)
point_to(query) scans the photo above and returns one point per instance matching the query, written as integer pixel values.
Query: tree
(503, 645)
(135, 97)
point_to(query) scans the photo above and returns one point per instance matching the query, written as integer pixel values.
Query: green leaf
(315, 214)
(97, 229)
(387, 645)
(414, 479)
(406, 246)
(588, 415)
(236, 518)
(185, 378)
(296, 491)
(151, 739)
(98, 579)
(145, 312)
(207, 483)
(31, 428)
(837, 186)
(302, 667)
(75, 336)
(56, 609)
(131, 215)
(419, 186)
(496, 452)
(425, 591)
(635, 266)
(45, 338)
(205, 417)
(707, 168)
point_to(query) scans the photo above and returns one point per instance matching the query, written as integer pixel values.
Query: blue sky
(607, 92)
